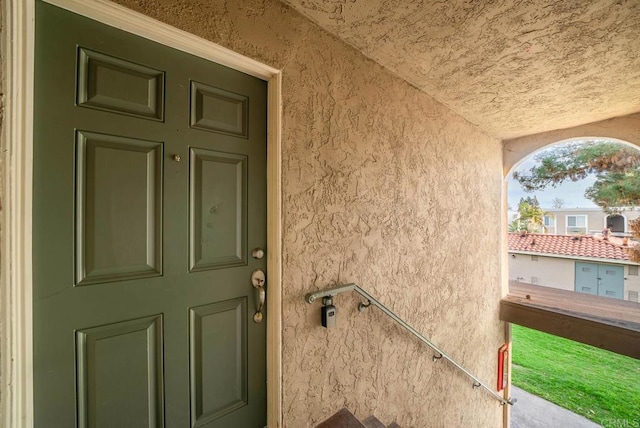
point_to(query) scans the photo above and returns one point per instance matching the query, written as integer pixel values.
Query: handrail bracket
(362, 306)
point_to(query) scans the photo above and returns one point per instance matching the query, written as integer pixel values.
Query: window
(576, 225)
(550, 224)
(633, 270)
(534, 258)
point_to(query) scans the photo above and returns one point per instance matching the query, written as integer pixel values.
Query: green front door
(149, 197)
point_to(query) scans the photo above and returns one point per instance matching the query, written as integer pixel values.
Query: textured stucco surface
(385, 187)
(513, 67)
(625, 128)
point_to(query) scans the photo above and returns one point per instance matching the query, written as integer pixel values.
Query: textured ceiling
(512, 67)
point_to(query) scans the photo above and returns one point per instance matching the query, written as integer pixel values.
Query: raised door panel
(218, 213)
(118, 208)
(120, 375)
(218, 347)
(119, 86)
(217, 110)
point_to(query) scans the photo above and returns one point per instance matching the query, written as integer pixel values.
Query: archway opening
(617, 224)
(575, 240)
(572, 207)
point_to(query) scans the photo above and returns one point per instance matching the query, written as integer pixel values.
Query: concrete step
(345, 419)
(342, 419)
(373, 422)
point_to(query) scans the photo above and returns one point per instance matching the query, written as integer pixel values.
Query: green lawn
(598, 384)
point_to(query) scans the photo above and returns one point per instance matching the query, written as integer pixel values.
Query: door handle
(258, 280)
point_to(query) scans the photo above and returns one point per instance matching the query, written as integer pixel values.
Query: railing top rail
(327, 292)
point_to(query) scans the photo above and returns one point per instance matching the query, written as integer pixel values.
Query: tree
(516, 226)
(530, 216)
(616, 166)
(557, 203)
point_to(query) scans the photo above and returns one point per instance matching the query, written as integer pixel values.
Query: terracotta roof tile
(567, 245)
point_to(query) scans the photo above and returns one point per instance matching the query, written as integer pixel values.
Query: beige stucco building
(567, 221)
(586, 264)
(560, 273)
(380, 163)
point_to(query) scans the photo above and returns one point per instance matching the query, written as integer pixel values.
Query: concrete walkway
(532, 411)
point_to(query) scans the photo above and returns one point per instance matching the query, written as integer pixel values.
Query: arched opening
(565, 266)
(568, 228)
(617, 224)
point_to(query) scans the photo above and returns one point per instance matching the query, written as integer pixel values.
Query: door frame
(16, 292)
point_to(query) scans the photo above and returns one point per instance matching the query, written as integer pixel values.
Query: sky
(571, 192)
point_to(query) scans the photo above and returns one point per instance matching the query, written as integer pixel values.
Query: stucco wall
(384, 187)
(625, 128)
(547, 271)
(631, 283)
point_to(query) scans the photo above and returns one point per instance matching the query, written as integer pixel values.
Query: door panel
(218, 209)
(146, 202)
(217, 110)
(611, 281)
(119, 367)
(110, 83)
(587, 278)
(218, 332)
(118, 208)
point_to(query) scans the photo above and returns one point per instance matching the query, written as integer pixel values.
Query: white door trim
(16, 330)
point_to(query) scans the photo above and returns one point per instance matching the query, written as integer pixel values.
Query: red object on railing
(502, 362)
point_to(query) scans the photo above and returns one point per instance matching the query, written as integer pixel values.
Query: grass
(597, 384)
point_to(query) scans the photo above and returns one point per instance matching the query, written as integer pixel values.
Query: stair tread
(373, 422)
(342, 419)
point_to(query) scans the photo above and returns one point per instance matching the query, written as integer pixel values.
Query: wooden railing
(603, 322)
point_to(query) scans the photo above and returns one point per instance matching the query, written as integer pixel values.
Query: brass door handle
(258, 280)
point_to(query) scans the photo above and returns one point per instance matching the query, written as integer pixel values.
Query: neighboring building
(587, 264)
(585, 221)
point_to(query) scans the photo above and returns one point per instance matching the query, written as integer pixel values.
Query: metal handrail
(330, 292)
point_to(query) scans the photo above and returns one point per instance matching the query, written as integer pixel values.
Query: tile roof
(567, 245)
